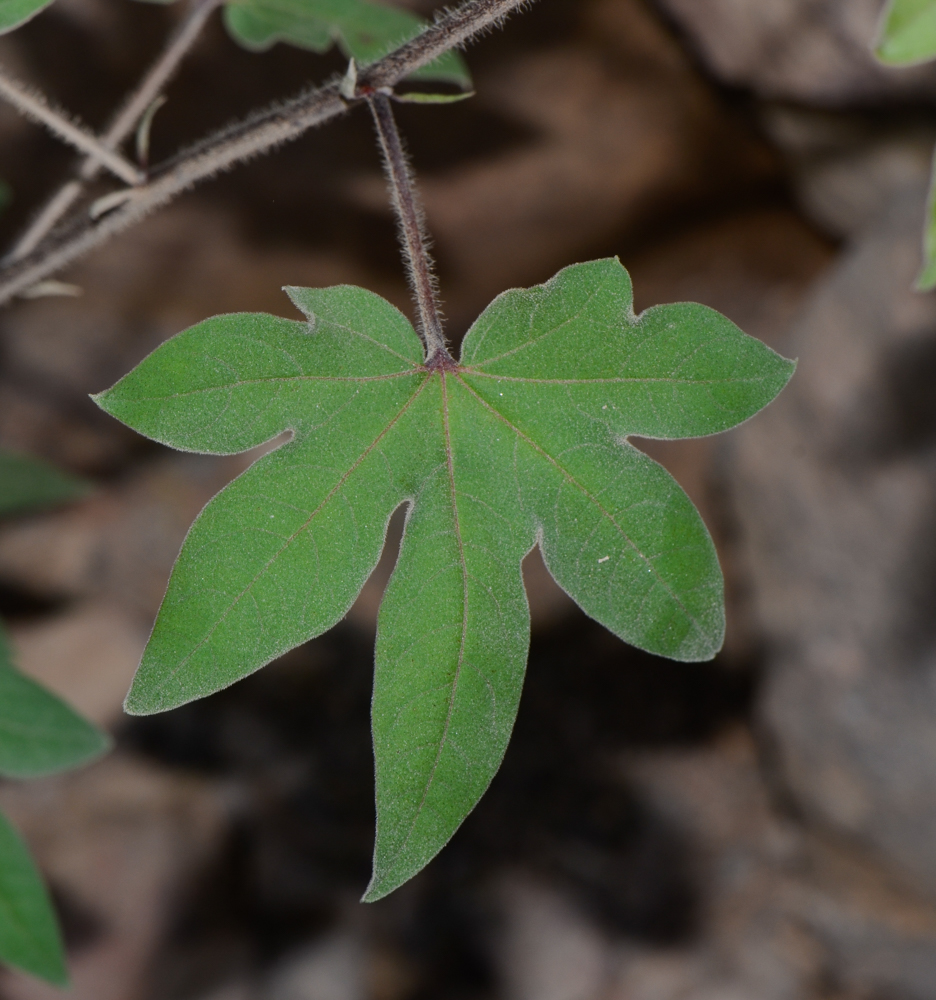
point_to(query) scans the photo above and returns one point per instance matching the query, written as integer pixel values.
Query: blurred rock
(334, 968)
(813, 51)
(834, 488)
(846, 168)
(548, 949)
(789, 916)
(117, 841)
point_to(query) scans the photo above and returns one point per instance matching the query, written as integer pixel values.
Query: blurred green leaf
(29, 484)
(908, 32)
(360, 28)
(39, 733)
(29, 934)
(927, 278)
(13, 13)
(417, 97)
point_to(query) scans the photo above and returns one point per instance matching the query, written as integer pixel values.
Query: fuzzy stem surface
(412, 230)
(34, 106)
(244, 140)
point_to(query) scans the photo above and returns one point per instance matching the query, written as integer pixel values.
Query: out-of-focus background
(762, 827)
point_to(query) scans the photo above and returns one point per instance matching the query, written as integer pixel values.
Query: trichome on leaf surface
(522, 441)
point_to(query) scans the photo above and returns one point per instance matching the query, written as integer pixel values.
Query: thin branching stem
(33, 105)
(412, 230)
(244, 140)
(124, 122)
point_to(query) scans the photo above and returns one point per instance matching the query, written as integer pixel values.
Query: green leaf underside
(908, 33)
(39, 733)
(525, 442)
(28, 484)
(362, 29)
(14, 13)
(29, 935)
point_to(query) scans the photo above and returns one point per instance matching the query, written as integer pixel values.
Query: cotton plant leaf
(524, 441)
(39, 733)
(362, 29)
(29, 934)
(908, 32)
(29, 484)
(14, 13)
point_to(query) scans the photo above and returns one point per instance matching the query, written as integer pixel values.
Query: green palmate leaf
(908, 32)
(39, 734)
(13, 13)
(363, 29)
(28, 484)
(524, 441)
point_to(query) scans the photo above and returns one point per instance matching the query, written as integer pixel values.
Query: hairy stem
(123, 124)
(412, 230)
(244, 140)
(33, 105)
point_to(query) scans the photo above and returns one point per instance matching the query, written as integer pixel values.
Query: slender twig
(157, 77)
(125, 121)
(412, 230)
(249, 138)
(35, 106)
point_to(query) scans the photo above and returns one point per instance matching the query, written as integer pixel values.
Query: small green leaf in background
(39, 733)
(29, 484)
(364, 29)
(361, 28)
(908, 32)
(418, 97)
(13, 13)
(29, 934)
(525, 441)
(927, 278)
